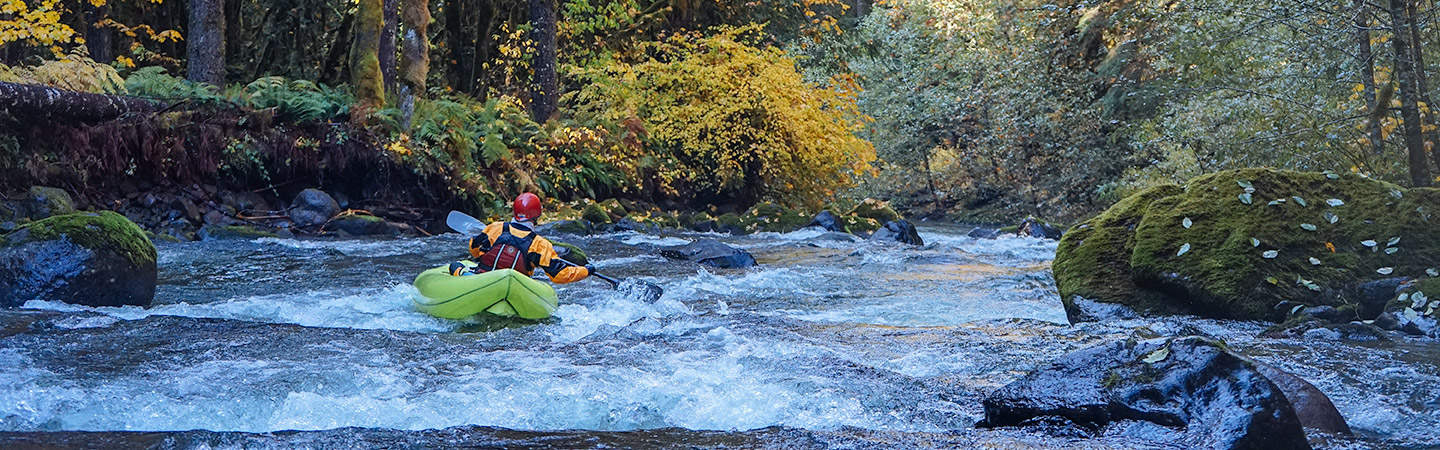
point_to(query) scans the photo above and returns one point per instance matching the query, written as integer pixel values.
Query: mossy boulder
(595, 214)
(614, 208)
(1093, 258)
(570, 252)
(1416, 310)
(859, 225)
(876, 209)
(356, 224)
(42, 202)
(771, 217)
(734, 224)
(1236, 244)
(94, 259)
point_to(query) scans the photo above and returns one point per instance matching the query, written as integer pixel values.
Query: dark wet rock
(898, 231)
(704, 227)
(711, 253)
(1212, 397)
(985, 233)
(1087, 310)
(827, 220)
(362, 225)
(1326, 313)
(245, 201)
(94, 259)
(1142, 254)
(1312, 407)
(218, 218)
(42, 201)
(571, 253)
(313, 207)
(576, 227)
(1374, 295)
(1037, 228)
(1387, 321)
(217, 232)
(7, 226)
(192, 211)
(628, 224)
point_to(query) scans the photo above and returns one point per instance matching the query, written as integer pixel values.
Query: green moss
(51, 201)
(876, 209)
(1222, 274)
(1093, 258)
(576, 255)
(614, 208)
(102, 230)
(161, 237)
(665, 220)
(735, 222)
(595, 214)
(859, 225)
(357, 216)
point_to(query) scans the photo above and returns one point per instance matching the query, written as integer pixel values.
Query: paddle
(464, 224)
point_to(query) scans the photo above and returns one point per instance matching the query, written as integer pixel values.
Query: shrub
(714, 119)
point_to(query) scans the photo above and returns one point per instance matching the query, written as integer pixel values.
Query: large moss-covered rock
(570, 252)
(95, 259)
(1093, 258)
(1236, 244)
(45, 201)
(875, 209)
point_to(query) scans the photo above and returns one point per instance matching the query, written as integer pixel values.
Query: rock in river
(1235, 244)
(313, 207)
(1207, 395)
(94, 259)
(711, 253)
(899, 231)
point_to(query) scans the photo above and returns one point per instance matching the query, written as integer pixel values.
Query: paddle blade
(464, 224)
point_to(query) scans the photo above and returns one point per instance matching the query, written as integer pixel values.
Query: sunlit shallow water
(826, 343)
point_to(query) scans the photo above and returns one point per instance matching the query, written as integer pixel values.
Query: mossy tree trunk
(1405, 73)
(387, 43)
(365, 74)
(1432, 137)
(415, 56)
(544, 90)
(40, 103)
(205, 43)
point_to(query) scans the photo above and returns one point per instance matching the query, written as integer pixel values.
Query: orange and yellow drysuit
(500, 247)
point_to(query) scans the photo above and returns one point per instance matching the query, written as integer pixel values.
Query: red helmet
(527, 207)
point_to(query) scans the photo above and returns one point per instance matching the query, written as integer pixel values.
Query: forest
(978, 110)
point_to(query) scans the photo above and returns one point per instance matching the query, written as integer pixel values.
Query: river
(314, 343)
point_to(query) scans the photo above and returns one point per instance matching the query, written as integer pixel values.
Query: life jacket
(509, 252)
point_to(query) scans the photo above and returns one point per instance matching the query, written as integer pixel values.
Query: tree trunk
(415, 56)
(43, 103)
(1432, 137)
(545, 90)
(333, 71)
(365, 55)
(98, 40)
(387, 43)
(205, 43)
(1409, 95)
(234, 26)
(1367, 76)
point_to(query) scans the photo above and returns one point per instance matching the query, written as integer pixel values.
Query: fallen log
(31, 103)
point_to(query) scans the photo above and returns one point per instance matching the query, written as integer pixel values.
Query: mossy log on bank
(43, 103)
(1236, 244)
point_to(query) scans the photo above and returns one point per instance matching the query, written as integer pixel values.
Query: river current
(313, 343)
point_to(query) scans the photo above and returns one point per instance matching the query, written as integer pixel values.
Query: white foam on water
(390, 309)
(365, 248)
(79, 322)
(1009, 246)
(624, 261)
(637, 238)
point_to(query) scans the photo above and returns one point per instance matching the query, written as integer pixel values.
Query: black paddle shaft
(613, 282)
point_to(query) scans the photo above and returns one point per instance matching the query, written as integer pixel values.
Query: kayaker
(514, 244)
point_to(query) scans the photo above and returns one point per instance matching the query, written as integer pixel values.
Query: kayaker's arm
(556, 268)
(482, 243)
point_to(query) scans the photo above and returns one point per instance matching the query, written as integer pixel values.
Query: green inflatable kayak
(502, 292)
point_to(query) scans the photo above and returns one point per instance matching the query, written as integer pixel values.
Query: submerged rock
(985, 233)
(313, 207)
(711, 253)
(1235, 244)
(899, 231)
(1209, 396)
(93, 259)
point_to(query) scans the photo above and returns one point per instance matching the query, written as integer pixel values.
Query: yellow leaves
(125, 61)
